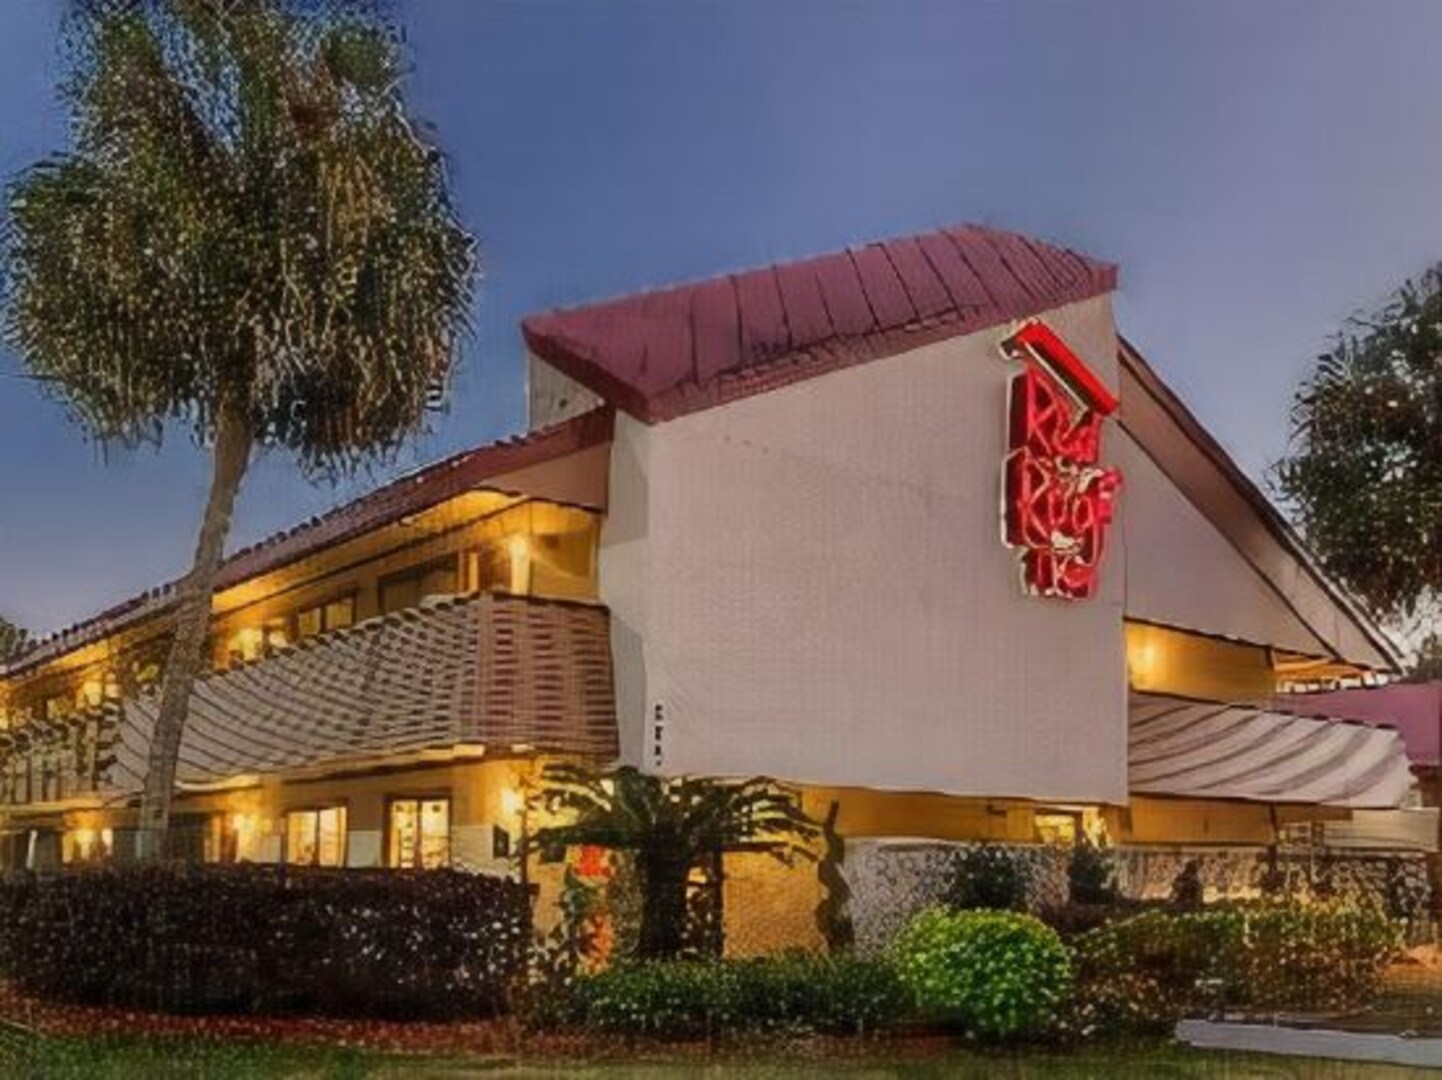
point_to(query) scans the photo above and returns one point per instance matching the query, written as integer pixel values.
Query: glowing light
(1057, 499)
(519, 549)
(92, 692)
(248, 642)
(512, 802)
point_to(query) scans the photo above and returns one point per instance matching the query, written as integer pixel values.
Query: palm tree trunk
(663, 876)
(229, 458)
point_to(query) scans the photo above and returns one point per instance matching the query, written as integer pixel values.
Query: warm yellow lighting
(248, 642)
(92, 692)
(276, 639)
(519, 548)
(512, 802)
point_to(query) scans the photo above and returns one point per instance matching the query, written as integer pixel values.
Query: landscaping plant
(1091, 878)
(794, 992)
(988, 877)
(671, 827)
(434, 944)
(996, 975)
(833, 918)
(1147, 972)
(249, 242)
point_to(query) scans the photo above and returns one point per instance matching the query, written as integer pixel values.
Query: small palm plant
(249, 241)
(671, 826)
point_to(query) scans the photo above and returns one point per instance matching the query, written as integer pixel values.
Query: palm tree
(13, 640)
(248, 241)
(671, 827)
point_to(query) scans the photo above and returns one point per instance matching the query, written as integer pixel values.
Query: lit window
(87, 845)
(322, 618)
(246, 645)
(315, 837)
(1058, 828)
(407, 590)
(420, 834)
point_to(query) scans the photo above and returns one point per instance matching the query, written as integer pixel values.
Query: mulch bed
(502, 1039)
(486, 1037)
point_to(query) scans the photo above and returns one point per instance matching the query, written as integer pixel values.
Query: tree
(248, 241)
(1363, 474)
(671, 827)
(14, 640)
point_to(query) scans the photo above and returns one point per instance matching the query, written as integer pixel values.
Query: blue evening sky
(1258, 169)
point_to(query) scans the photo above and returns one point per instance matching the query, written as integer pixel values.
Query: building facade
(909, 527)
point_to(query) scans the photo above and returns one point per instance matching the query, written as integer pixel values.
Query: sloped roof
(1204, 750)
(1241, 511)
(413, 492)
(662, 354)
(1414, 709)
(482, 669)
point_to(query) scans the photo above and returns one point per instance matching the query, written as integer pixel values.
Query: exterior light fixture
(519, 549)
(512, 803)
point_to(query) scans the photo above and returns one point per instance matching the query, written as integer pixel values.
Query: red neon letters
(1057, 498)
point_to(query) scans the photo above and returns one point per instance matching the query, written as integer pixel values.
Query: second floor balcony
(466, 675)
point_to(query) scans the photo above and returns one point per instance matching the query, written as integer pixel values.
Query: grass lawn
(54, 1058)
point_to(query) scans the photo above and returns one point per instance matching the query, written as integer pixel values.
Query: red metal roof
(663, 354)
(409, 494)
(1414, 709)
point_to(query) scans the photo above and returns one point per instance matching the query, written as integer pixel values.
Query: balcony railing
(483, 670)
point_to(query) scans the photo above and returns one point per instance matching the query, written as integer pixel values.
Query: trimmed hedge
(997, 975)
(792, 992)
(1147, 972)
(265, 939)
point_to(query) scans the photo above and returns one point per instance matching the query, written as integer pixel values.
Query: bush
(1091, 878)
(996, 975)
(1147, 972)
(793, 992)
(265, 939)
(990, 878)
(1072, 919)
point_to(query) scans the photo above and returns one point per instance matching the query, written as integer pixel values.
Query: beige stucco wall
(551, 397)
(811, 584)
(1182, 571)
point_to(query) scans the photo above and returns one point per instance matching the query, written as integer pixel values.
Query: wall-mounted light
(512, 802)
(519, 549)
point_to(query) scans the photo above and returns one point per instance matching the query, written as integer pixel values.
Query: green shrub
(988, 878)
(1151, 970)
(434, 944)
(793, 992)
(997, 975)
(1091, 878)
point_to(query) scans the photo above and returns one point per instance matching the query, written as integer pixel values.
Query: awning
(1205, 750)
(481, 670)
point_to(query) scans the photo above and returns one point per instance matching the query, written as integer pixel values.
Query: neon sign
(1057, 499)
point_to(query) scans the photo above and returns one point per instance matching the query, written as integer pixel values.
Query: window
(408, 589)
(322, 618)
(315, 837)
(1058, 827)
(59, 707)
(87, 845)
(420, 834)
(253, 642)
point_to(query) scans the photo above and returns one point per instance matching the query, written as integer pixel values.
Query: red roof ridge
(665, 352)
